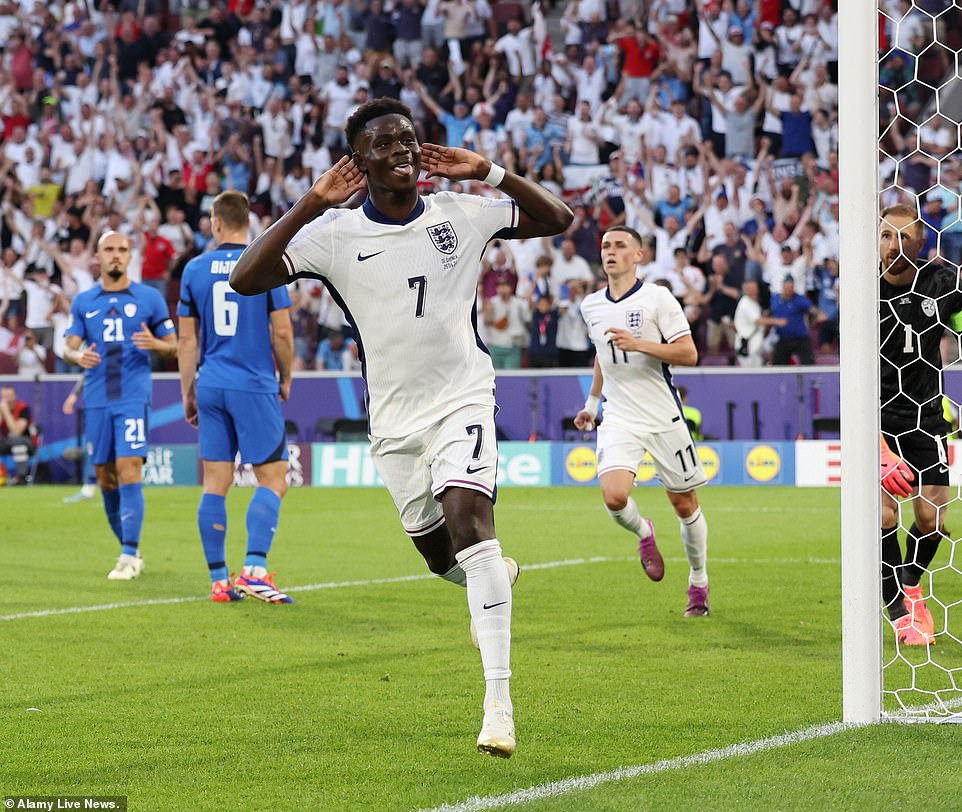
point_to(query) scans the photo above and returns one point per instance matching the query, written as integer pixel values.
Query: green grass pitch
(366, 695)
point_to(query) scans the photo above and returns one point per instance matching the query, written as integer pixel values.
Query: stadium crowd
(708, 126)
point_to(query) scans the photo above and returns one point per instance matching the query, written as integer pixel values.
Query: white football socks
(694, 533)
(630, 519)
(489, 600)
(496, 690)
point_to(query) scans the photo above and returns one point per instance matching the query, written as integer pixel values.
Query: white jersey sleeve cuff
(289, 263)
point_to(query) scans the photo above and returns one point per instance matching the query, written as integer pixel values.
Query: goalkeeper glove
(896, 475)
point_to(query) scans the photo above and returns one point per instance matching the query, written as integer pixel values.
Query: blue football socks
(262, 516)
(112, 509)
(131, 516)
(212, 522)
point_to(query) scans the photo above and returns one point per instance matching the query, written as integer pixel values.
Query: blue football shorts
(117, 430)
(229, 421)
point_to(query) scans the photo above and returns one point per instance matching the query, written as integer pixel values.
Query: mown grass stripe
(544, 565)
(105, 607)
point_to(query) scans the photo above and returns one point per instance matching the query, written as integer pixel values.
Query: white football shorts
(677, 463)
(460, 451)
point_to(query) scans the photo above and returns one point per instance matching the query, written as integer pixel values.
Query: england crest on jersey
(928, 307)
(633, 319)
(444, 237)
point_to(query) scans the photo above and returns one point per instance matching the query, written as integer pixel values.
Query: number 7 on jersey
(419, 283)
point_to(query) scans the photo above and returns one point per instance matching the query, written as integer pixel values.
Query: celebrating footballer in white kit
(404, 270)
(412, 343)
(639, 329)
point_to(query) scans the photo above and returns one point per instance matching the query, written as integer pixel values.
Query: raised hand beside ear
(339, 182)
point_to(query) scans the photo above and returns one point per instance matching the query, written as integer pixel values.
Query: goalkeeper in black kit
(916, 305)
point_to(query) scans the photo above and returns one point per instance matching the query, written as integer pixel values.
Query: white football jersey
(637, 388)
(408, 289)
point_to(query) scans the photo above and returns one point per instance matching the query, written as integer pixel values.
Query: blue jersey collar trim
(371, 212)
(229, 246)
(634, 289)
(127, 290)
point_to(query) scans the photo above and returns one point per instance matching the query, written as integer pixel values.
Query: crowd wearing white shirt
(133, 104)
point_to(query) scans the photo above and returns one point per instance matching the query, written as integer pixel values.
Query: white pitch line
(564, 786)
(544, 565)
(103, 607)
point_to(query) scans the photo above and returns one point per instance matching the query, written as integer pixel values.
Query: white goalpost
(859, 360)
(915, 93)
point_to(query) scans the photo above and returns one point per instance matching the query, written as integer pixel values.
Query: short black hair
(371, 110)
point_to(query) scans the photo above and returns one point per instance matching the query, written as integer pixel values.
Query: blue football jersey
(109, 319)
(233, 331)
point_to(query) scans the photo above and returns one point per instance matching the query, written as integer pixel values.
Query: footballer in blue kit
(232, 393)
(114, 326)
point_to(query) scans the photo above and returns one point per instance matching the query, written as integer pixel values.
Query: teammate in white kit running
(638, 330)
(404, 270)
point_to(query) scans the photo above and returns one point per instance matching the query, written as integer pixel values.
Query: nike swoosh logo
(689, 478)
(137, 445)
(90, 314)
(471, 470)
(492, 605)
(361, 257)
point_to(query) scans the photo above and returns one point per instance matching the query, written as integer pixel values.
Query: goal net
(920, 166)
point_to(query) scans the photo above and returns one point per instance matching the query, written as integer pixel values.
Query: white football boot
(497, 731)
(127, 568)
